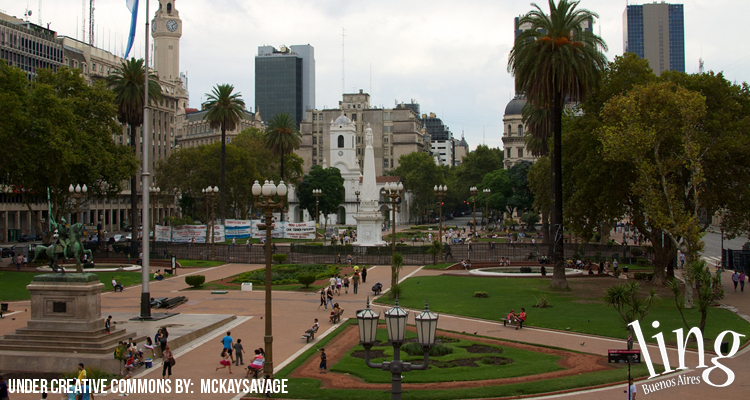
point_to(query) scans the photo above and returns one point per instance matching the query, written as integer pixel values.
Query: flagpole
(145, 175)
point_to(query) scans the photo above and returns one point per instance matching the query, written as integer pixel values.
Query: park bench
(506, 321)
(163, 302)
(157, 301)
(310, 334)
(337, 315)
(256, 372)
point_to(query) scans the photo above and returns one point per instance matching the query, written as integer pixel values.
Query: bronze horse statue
(69, 245)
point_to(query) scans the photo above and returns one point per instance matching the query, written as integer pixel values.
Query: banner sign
(277, 232)
(238, 228)
(186, 233)
(163, 233)
(300, 230)
(219, 234)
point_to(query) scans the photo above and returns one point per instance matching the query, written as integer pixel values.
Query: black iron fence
(375, 255)
(738, 260)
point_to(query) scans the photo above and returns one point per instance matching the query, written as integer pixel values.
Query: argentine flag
(133, 7)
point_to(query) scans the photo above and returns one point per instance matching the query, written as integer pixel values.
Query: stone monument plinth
(65, 324)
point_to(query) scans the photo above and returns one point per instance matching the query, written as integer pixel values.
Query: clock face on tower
(172, 25)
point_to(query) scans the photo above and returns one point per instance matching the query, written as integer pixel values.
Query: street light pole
(440, 192)
(395, 320)
(486, 205)
(154, 207)
(210, 193)
(317, 193)
(78, 193)
(474, 191)
(264, 199)
(394, 191)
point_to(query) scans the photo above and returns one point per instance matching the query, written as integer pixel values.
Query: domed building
(513, 131)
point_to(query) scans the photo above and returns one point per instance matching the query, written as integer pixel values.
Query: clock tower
(166, 29)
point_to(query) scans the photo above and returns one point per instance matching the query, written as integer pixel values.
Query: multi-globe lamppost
(395, 321)
(474, 191)
(317, 193)
(394, 191)
(155, 190)
(440, 192)
(210, 193)
(486, 205)
(78, 193)
(264, 199)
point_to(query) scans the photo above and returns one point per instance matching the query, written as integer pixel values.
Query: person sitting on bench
(157, 275)
(257, 364)
(521, 318)
(337, 311)
(116, 285)
(314, 328)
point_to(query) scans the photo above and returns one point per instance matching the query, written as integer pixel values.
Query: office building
(442, 140)
(285, 81)
(29, 46)
(656, 32)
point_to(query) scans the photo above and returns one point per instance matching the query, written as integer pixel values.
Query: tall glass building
(656, 32)
(285, 81)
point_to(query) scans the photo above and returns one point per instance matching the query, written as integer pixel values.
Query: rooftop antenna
(83, 20)
(343, 86)
(91, 22)
(39, 13)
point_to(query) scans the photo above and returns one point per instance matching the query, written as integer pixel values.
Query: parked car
(7, 252)
(29, 238)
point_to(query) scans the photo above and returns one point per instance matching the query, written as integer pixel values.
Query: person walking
(355, 282)
(329, 297)
(742, 281)
(238, 350)
(345, 281)
(323, 298)
(735, 279)
(108, 325)
(3, 389)
(364, 274)
(323, 361)
(167, 363)
(227, 341)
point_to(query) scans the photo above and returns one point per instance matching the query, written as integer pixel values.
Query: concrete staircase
(92, 342)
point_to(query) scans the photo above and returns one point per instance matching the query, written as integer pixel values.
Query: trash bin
(247, 286)
(3, 306)
(724, 348)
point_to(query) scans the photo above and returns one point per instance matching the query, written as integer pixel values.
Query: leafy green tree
(537, 137)
(420, 174)
(654, 128)
(330, 182)
(64, 129)
(553, 61)
(128, 82)
(225, 110)
(500, 188)
(474, 167)
(521, 197)
(540, 187)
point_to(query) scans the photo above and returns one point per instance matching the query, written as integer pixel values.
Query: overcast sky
(449, 56)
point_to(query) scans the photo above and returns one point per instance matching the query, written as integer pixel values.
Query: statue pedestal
(369, 231)
(65, 324)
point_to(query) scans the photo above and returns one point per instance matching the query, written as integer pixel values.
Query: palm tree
(224, 110)
(282, 137)
(127, 82)
(537, 136)
(555, 60)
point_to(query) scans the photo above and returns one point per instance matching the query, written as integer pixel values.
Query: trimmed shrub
(437, 350)
(396, 290)
(643, 276)
(636, 252)
(195, 280)
(481, 295)
(525, 270)
(306, 280)
(279, 258)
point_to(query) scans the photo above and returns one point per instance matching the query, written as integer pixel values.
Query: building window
(510, 130)
(354, 117)
(341, 141)
(507, 151)
(520, 152)
(385, 139)
(520, 130)
(315, 152)
(385, 163)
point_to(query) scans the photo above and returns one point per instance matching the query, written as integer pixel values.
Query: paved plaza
(293, 312)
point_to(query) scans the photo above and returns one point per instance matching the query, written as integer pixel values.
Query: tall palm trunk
(223, 173)
(133, 196)
(282, 179)
(558, 276)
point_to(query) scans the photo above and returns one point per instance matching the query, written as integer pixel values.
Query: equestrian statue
(66, 243)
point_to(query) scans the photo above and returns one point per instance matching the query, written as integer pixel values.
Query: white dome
(342, 120)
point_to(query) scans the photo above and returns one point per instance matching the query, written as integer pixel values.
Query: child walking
(323, 360)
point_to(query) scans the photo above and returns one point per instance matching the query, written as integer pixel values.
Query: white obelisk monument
(368, 218)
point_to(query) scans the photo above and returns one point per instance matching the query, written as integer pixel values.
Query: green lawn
(13, 284)
(577, 310)
(438, 265)
(306, 388)
(524, 363)
(200, 263)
